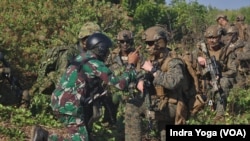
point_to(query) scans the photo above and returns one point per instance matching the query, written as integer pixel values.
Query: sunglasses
(150, 43)
(124, 41)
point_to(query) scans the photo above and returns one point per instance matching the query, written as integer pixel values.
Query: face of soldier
(213, 42)
(222, 22)
(153, 47)
(124, 45)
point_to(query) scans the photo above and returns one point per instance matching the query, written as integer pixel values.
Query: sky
(222, 4)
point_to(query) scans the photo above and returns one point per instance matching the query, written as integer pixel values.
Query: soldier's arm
(173, 77)
(120, 82)
(231, 66)
(245, 54)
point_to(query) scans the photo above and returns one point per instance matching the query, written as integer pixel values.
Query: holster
(181, 113)
(198, 104)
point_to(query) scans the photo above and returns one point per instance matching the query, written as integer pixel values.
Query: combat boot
(39, 134)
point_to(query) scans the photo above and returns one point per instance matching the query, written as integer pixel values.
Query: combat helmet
(240, 18)
(88, 29)
(221, 16)
(213, 31)
(125, 35)
(155, 33)
(232, 30)
(99, 44)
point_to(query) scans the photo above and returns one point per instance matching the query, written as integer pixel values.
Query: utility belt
(159, 102)
(161, 94)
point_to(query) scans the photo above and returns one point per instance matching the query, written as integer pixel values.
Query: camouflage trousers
(220, 99)
(75, 128)
(135, 110)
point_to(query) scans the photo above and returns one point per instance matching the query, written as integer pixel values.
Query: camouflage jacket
(53, 66)
(227, 64)
(78, 81)
(172, 76)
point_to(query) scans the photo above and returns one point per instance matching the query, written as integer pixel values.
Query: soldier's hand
(133, 57)
(147, 66)
(140, 85)
(202, 61)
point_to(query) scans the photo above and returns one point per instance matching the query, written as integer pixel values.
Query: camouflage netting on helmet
(125, 35)
(240, 18)
(88, 29)
(155, 33)
(213, 31)
(221, 16)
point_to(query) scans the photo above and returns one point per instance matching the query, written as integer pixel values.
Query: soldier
(224, 23)
(241, 49)
(82, 79)
(52, 67)
(119, 59)
(218, 69)
(244, 29)
(165, 83)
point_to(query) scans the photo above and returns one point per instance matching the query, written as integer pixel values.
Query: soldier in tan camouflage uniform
(119, 59)
(165, 84)
(224, 23)
(242, 51)
(244, 29)
(226, 68)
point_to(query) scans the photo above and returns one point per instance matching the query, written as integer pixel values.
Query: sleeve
(172, 78)
(231, 66)
(99, 69)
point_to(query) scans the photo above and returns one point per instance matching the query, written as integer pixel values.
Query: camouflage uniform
(119, 59)
(244, 29)
(48, 78)
(224, 24)
(241, 50)
(243, 62)
(227, 68)
(82, 79)
(166, 89)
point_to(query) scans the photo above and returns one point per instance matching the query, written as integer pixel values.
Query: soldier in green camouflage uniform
(118, 58)
(82, 79)
(49, 77)
(169, 82)
(226, 67)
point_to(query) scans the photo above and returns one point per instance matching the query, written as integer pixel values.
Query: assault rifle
(147, 88)
(212, 70)
(15, 85)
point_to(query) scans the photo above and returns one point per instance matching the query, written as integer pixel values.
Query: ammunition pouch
(198, 104)
(159, 91)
